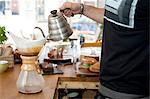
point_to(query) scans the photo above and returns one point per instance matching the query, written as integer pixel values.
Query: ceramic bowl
(3, 66)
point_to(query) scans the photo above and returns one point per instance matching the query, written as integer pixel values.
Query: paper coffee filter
(26, 43)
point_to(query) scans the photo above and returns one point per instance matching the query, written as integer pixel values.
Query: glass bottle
(30, 80)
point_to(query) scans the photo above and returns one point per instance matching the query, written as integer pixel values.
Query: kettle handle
(72, 14)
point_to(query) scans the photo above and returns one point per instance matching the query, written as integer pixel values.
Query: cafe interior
(40, 60)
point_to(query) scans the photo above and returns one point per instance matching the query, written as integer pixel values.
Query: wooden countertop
(8, 80)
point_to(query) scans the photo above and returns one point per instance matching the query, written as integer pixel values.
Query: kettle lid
(54, 14)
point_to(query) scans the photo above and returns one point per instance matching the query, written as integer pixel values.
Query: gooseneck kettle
(58, 27)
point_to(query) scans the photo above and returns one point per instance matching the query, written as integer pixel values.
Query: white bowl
(3, 66)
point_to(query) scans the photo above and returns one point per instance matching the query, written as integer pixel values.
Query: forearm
(97, 14)
(91, 12)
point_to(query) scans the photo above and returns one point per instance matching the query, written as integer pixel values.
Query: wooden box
(6, 53)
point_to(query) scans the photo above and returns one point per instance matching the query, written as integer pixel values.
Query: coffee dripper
(30, 79)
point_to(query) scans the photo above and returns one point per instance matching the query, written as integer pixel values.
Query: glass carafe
(30, 80)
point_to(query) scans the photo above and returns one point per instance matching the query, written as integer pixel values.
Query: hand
(70, 9)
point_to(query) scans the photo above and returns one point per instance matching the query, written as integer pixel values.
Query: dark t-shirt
(125, 50)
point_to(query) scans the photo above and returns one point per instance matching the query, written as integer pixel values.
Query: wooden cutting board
(84, 71)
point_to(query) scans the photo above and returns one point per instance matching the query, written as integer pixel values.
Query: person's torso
(125, 46)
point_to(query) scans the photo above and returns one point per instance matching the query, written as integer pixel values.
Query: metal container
(59, 29)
